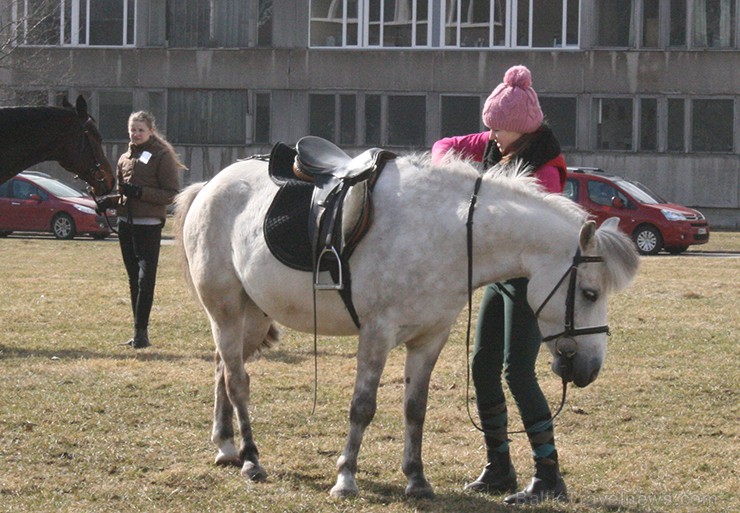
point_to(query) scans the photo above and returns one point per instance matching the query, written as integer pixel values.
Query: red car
(652, 222)
(36, 202)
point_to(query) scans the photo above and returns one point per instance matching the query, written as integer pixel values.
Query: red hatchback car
(36, 202)
(652, 222)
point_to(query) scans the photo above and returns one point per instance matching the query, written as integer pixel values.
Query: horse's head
(571, 305)
(84, 155)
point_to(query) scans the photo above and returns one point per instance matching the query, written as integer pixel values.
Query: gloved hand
(130, 190)
(106, 203)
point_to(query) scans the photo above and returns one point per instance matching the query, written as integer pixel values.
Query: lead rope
(469, 240)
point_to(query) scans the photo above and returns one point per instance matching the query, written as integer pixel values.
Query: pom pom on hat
(514, 105)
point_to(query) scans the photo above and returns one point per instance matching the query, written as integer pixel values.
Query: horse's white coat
(409, 282)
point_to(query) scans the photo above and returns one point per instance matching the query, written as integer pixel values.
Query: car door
(26, 206)
(6, 212)
(601, 196)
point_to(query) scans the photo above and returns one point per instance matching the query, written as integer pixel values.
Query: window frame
(76, 17)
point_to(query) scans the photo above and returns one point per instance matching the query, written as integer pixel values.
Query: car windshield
(57, 188)
(641, 193)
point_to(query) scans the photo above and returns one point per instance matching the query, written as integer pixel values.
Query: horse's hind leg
(237, 334)
(223, 420)
(421, 356)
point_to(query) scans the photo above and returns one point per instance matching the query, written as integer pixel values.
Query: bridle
(95, 171)
(565, 342)
(569, 331)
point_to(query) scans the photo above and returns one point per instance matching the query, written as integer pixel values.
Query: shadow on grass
(117, 352)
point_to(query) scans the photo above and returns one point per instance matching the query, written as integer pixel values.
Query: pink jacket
(473, 146)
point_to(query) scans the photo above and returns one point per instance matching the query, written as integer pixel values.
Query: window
(677, 35)
(444, 23)
(570, 190)
(560, 113)
(613, 123)
(115, 107)
(712, 126)
(460, 115)
(225, 110)
(474, 23)
(650, 23)
(407, 121)
(648, 124)
(218, 23)
(714, 23)
(76, 22)
(373, 113)
(262, 118)
(675, 124)
(602, 193)
(614, 23)
(333, 117)
(264, 24)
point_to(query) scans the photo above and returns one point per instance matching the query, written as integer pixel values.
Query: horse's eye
(591, 294)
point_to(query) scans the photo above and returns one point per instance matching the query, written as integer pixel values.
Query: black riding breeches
(140, 246)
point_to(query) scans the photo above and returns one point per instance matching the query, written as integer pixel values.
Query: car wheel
(676, 250)
(648, 240)
(63, 227)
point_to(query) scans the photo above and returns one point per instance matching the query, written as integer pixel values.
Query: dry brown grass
(87, 425)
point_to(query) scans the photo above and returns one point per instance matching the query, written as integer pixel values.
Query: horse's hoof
(254, 472)
(343, 493)
(345, 488)
(420, 491)
(228, 460)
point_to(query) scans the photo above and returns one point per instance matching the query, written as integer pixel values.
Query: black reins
(569, 332)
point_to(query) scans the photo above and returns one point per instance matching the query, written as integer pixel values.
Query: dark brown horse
(68, 135)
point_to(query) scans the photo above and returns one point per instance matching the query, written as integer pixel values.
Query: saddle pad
(286, 225)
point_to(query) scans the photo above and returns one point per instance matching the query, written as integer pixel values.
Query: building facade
(648, 89)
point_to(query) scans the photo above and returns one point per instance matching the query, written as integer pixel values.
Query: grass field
(87, 425)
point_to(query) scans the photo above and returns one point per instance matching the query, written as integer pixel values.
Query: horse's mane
(515, 177)
(617, 248)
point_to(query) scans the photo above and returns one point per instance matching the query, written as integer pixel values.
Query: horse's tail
(183, 202)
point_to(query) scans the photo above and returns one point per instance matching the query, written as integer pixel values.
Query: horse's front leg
(421, 356)
(371, 358)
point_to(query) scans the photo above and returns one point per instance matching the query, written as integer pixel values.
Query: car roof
(593, 171)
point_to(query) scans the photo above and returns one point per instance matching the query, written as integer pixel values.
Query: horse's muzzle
(569, 368)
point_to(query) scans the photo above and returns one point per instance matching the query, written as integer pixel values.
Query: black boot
(140, 340)
(498, 475)
(547, 484)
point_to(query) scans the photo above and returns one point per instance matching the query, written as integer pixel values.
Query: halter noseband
(569, 331)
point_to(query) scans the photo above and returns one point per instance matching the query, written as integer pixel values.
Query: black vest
(543, 149)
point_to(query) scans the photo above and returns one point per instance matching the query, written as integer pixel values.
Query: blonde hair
(148, 119)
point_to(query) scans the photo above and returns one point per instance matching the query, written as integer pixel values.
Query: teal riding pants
(507, 342)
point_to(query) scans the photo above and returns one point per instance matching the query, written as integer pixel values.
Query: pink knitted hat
(513, 105)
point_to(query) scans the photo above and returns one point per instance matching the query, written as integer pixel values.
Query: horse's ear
(81, 107)
(587, 235)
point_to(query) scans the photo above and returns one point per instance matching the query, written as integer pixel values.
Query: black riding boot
(547, 484)
(498, 475)
(140, 340)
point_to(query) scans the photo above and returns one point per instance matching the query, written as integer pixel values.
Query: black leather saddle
(322, 209)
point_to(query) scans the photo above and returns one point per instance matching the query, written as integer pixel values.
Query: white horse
(409, 282)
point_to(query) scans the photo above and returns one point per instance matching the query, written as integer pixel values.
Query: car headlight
(672, 215)
(85, 210)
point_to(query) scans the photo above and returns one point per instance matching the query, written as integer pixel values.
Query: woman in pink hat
(507, 339)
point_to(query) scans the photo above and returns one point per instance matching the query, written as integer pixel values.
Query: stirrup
(317, 283)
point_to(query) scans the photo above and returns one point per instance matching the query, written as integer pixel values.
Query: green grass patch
(87, 425)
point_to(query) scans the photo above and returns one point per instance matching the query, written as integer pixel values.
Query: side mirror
(617, 202)
(35, 197)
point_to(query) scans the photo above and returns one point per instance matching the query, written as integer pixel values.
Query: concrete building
(648, 89)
